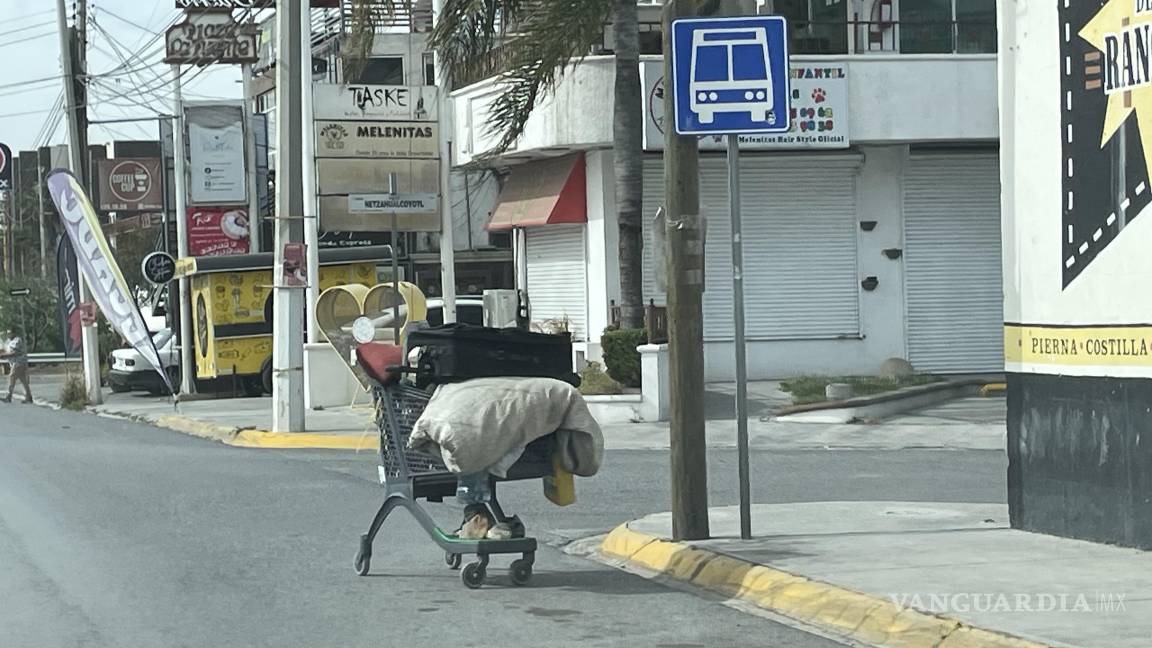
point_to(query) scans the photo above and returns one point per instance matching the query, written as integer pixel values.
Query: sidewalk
(908, 574)
(246, 421)
(967, 424)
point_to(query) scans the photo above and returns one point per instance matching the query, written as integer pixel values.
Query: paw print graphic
(818, 95)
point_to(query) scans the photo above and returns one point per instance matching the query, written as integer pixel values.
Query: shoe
(6, 399)
(27, 401)
(477, 523)
(513, 528)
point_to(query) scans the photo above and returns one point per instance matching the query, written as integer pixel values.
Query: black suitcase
(456, 352)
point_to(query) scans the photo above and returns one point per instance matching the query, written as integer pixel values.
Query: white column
(180, 157)
(602, 255)
(447, 226)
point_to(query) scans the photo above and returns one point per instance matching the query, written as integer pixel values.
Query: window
(947, 26)
(975, 26)
(383, 71)
(429, 68)
(818, 26)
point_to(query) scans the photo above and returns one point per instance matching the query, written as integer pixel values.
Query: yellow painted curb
(304, 440)
(993, 388)
(858, 616)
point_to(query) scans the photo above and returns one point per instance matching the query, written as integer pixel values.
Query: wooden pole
(685, 253)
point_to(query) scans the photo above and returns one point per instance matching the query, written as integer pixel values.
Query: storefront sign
(217, 231)
(374, 102)
(129, 185)
(210, 37)
(365, 139)
(158, 267)
(216, 155)
(819, 111)
(348, 176)
(295, 265)
(5, 168)
(416, 203)
(244, 4)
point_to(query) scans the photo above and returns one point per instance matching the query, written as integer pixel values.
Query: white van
(130, 371)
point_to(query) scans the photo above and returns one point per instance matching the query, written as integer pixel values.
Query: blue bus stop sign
(731, 75)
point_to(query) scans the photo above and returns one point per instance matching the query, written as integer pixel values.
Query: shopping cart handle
(400, 369)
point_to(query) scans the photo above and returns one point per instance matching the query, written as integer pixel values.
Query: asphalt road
(120, 535)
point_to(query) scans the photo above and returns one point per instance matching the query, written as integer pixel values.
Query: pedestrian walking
(16, 354)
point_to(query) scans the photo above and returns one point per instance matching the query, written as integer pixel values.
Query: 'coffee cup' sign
(129, 185)
(129, 181)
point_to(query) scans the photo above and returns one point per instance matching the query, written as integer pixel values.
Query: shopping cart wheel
(520, 572)
(452, 560)
(473, 575)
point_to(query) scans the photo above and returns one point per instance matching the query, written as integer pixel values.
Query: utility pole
(78, 151)
(179, 173)
(254, 223)
(447, 223)
(685, 238)
(288, 331)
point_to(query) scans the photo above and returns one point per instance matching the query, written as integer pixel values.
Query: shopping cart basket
(408, 476)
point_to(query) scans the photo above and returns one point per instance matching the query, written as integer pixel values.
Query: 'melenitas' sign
(371, 139)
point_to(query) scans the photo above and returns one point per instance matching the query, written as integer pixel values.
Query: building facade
(871, 231)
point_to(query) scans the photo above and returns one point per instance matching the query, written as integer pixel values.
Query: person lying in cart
(482, 428)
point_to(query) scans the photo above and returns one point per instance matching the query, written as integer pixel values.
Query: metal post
(250, 160)
(311, 201)
(741, 350)
(179, 162)
(395, 266)
(90, 340)
(447, 223)
(166, 217)
(288, 329)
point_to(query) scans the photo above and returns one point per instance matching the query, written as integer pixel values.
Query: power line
(30, 38)
(24, 29)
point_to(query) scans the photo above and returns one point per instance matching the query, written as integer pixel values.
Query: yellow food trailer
(232, 308)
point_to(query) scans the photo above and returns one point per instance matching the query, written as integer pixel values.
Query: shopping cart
(408, 476)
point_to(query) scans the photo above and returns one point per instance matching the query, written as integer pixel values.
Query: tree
(530, 44)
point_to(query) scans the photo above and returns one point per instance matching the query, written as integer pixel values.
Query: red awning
(544, 192)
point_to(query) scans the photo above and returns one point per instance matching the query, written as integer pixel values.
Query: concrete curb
(248, 437)
(863, 618)
(879, 406)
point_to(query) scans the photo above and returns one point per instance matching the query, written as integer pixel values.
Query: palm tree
(531, 44)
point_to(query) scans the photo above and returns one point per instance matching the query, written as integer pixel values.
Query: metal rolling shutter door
(953, 277)
(799, 218)
(556, 276)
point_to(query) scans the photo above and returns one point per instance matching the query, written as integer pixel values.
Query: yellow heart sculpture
(340, 306)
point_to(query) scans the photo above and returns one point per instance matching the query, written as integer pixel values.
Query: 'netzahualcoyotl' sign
(365, 139)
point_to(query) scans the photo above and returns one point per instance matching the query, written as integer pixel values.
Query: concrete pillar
(602, 257)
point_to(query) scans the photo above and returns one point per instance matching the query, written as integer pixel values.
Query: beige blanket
(476, 423)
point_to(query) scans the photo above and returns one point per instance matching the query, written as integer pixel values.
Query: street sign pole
(741, 348)
(730, 76)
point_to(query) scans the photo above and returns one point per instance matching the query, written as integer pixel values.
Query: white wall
(893, 99)
(905, 97)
